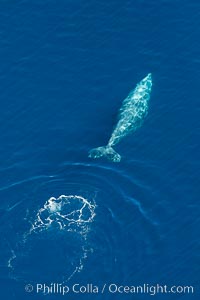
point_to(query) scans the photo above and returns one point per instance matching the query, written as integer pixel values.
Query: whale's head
(147, 81)
(149, 77)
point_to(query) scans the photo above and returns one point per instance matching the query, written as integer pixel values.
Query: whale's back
(137, 100)
(133, 110)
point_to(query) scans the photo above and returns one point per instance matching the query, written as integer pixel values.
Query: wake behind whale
(131, 116)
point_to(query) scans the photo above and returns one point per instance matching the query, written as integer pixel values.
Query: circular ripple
(56, 244)
(85, 216)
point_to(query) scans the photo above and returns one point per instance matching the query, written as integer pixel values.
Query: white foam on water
(73, 213)
(71, 216)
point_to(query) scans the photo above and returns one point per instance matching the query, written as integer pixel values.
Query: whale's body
(131, 116)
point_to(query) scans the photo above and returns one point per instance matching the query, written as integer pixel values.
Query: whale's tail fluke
(106, 151)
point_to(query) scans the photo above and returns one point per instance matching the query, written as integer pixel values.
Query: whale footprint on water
(131, 116)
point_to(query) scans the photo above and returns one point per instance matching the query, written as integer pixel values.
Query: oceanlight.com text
(111, 288)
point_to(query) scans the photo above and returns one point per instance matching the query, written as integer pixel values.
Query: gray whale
(131, 116)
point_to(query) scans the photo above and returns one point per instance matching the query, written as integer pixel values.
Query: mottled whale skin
(131, 116)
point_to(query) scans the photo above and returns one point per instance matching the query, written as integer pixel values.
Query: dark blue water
(65, 67)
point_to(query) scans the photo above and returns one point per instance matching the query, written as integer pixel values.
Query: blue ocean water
(65, 68)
